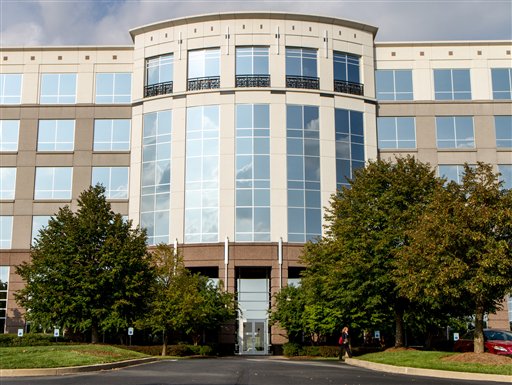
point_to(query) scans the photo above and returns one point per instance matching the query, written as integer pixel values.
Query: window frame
(42, 193)
(7, 146)
(451, 92)
(115, 96)
(110, 192)
(396, 93)
(59, 97)
(7, 98)
(396, 139)
(458, 143)
(113, 144)
(60, 126)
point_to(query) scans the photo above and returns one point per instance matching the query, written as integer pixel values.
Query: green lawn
(54, 356)
(432, 360)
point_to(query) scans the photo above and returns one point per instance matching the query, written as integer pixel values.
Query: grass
(25, 357)
(432, 360)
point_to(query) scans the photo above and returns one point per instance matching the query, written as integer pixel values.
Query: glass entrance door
(254, 337)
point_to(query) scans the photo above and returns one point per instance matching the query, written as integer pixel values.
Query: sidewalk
(429, 372)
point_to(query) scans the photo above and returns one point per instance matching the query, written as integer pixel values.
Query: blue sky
(107, 22)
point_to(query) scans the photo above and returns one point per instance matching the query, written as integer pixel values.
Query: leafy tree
(89, 270)
(183, 302)
(351, 268)
(461, 248)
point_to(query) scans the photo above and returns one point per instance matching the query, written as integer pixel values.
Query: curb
(72, 369)
(429, 372)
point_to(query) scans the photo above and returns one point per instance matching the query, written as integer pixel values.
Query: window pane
(503, 126)
(7, 183)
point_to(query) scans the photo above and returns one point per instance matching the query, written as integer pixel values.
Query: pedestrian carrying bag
(340, 341)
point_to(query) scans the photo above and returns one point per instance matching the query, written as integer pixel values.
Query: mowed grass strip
(433, 360)
(54, 356)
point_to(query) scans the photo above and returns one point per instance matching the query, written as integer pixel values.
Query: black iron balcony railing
(206, 83)
(252, 81)
(307, 82)
(158, 89)
(348, 87)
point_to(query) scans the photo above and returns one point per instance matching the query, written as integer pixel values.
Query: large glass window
(53, 183)
(503, 127)
(451, 172)
(346, 74)
(396, 132)
(113, 88)
(56, 135)
(58, 89)
(506, 175)
(394, 84)
(159, 75)
(301, 68)
(455, 132)
(10, 88)
(156, 176)
(4, 289)
(5, 231)
(9, 130)
(349, 144)
(38, 223)
(452, 84)
(204, 69)
(114, 179)
(252, 67)
(303, 169)
(501, 83)
(202, 174)
(112, 135)
(7, 183)
(252, 172)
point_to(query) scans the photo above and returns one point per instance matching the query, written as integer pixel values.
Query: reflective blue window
(452, 84)
(113, 88)
(396, 132)
(114, 179)
(451, 172)
(7, 183)
(159, 69)
(301, 62)
(350, 156)
(506, 175)
(501, 83)
(252, 173)
(202, 174)
(204, 63)
(156, 176)
(5, 231)
(252, 61)
(56, 135)
(53, 183)
(503, 126)
(58, 89)
(38, 223)
(10, 88)
(9, 130)
(303, 173)
(455, 132)
(346, 67)
(394, 84)
(112, 135)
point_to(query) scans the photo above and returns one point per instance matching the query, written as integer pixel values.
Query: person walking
(344, 343)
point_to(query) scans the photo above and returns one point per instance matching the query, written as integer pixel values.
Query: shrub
(206, 350)
(180, 350)
(29, 339)
(291, 349)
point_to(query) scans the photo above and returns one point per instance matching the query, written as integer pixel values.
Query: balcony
(206, 83)
(348, 87)
(252, 81)
(158, 89)
(307, 82)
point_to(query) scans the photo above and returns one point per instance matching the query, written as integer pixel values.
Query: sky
(107, 22)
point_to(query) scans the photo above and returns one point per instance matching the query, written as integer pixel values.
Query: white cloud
(76, 22)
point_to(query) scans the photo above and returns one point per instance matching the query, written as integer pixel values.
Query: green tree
(351, 268)
(89, 270)
(183, 302)
(461, 248)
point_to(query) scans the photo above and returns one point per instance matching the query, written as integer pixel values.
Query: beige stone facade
(232, 260)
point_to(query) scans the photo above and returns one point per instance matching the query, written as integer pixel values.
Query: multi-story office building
(226, 135)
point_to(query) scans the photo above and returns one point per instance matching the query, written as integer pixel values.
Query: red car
(495, 342)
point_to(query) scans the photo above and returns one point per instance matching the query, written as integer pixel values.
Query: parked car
(495, 342)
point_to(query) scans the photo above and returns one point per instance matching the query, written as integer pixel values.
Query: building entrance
(254, 337)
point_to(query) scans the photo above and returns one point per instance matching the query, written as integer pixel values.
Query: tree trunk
(95, 335)
(479, 329)
(399, 328)
(164, 344)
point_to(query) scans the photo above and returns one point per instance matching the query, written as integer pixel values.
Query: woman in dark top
(345, 343)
